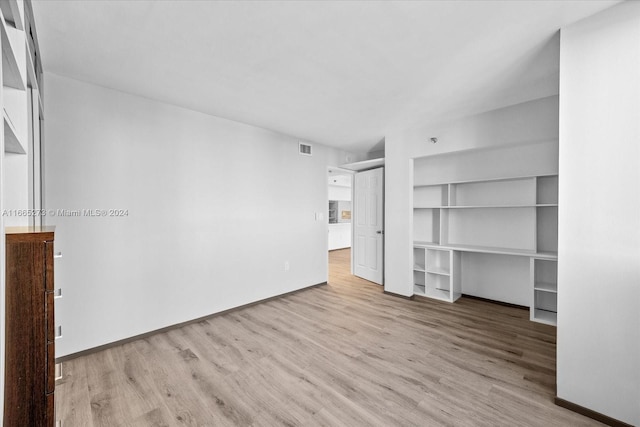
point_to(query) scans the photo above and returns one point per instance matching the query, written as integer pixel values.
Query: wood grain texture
(30, 233)
(26, 352)
(168, 328)
(345, 354)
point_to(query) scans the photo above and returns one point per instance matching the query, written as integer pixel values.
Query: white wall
(338, 192)
(215, 209)
(16, 189)
(526, 123)
(599, 215)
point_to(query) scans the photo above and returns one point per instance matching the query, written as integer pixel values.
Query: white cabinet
(333, 211)
(436, 273)
(339, 236)
(461, 226)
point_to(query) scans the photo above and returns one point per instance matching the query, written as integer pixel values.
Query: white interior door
(369, 225)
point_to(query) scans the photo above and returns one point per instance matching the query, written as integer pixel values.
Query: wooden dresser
(30, 327)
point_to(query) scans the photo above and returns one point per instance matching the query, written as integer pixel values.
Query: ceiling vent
(304, 149)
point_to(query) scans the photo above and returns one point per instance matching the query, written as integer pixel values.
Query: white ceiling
(338, 73)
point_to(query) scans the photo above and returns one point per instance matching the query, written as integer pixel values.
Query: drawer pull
(58, 332)
(57, 293)
(58, 374)
(57, 255)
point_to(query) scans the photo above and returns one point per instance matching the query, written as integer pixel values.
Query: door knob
(379, 232)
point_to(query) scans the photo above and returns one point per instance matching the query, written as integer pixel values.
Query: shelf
(433, 195)
(11, 13)
(11, 142)
(547, 189)
(544, 316)
(434, 294)
(545, 205)
(544, 299)
(11, 75)
(488, 250)
(363, 165)
(439, 271)
(438, 262)
(426, 225)
(512, 178)
(546, 287)
(424, 244)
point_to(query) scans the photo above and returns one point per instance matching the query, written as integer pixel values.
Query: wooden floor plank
(72, 394)
(344, 354)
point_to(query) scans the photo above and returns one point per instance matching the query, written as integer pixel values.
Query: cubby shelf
(546, 287)
(544, 316)
(544, 299)
(432, 273)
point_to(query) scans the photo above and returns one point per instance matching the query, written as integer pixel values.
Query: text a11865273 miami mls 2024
(65, 212)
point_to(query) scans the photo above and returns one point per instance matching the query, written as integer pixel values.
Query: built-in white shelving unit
(508, 216)
(434, 273)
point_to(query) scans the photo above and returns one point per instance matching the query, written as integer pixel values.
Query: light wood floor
(344, 354)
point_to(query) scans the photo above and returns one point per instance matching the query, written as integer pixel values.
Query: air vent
(304, 149)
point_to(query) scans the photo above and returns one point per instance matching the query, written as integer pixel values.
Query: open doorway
(339, 210)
